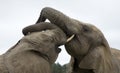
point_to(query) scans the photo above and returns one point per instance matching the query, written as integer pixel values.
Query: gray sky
(16, 14)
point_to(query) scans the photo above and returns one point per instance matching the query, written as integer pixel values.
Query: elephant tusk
(70, 38)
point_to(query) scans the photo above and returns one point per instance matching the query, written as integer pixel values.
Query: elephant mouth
(58, 50)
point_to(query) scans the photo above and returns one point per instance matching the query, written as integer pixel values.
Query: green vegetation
(57, 68)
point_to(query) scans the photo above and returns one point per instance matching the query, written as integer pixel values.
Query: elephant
(89, 49)
(36, 51)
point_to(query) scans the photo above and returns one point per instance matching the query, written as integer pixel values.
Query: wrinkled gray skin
(35, 52)
(89, 49)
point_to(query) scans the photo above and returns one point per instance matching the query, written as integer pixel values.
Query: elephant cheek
(76, 48)
(69, 51)
(72, 49)
(53, 56)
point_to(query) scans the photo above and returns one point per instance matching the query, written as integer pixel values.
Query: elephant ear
(91, 60)
(98, 59)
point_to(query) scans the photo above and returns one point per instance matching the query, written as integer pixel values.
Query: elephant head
(36, 51)
(89, 48)
(52, 36)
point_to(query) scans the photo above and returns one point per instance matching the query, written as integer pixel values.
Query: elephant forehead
(39, 37)
(42, 33)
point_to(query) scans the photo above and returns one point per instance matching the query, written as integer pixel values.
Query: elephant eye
(86, 29)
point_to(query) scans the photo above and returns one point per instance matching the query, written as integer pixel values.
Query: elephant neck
(76, 64)
(78, 60)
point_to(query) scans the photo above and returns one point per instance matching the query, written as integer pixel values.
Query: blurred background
(17, 14)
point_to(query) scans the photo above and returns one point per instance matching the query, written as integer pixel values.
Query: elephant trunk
(57, 18)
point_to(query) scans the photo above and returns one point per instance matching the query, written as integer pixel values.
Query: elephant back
(3, 68)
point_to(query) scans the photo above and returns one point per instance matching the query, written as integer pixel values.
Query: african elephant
(89, 49)
(36, 51)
